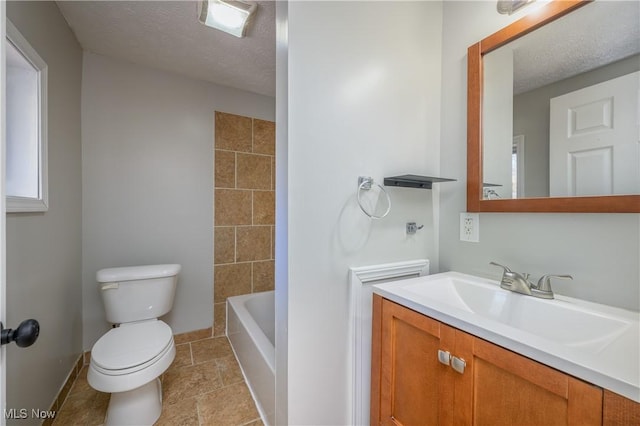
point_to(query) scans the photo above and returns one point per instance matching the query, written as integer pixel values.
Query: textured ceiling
(590, 37)
(168, 36)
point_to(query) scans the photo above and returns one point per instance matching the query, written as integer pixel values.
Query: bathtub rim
(263, 344)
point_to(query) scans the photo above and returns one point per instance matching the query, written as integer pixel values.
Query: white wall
(601, 251)
(363, 99)
(44, 249)
(147, 163)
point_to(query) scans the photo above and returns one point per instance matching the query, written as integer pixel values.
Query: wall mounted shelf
(414, 181)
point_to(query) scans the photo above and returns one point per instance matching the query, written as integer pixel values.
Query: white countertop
(614, 366)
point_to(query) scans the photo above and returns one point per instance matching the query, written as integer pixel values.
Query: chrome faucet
(519, 283)
(543, 289)
(514, 281)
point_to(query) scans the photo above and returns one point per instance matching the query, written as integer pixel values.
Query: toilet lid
(131, 345)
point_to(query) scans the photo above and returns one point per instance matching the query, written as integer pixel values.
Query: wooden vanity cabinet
(501, 387)
(619, 410)
(410, 386)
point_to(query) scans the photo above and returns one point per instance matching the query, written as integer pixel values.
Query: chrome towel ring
(366, 183)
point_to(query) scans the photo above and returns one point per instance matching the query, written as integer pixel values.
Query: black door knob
(25, 335)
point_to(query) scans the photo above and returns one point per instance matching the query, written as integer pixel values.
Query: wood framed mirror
(581, 188)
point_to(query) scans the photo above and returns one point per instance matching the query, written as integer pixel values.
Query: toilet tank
(136, 293)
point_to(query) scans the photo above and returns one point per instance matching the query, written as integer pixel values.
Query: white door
(3, 258)
(595, 140)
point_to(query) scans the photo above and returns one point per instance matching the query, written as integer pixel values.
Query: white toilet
(129, 359)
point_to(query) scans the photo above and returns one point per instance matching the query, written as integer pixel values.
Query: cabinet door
(618, 410)
(414, 388)
(499, 387)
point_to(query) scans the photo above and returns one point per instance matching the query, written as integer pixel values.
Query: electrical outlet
(470, 227)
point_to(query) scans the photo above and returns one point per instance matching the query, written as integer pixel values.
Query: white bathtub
(251, 331)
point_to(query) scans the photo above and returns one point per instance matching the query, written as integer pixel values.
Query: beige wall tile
(264, 208)
(273, 242)
(232, 207)
(273, 173)
(233, 132)
(232, 405)
(263, 276)
(224, 244)
(253, 171)
(264, 137)
(231, 280)
(219, 319)
(253, 243)
(225, 169)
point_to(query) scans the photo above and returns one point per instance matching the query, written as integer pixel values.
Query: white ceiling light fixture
(507, 7)
(230, 16)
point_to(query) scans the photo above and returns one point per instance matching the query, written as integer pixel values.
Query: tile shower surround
(244, 194)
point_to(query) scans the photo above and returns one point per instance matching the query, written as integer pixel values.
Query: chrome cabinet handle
(444, 357)
(458, 364)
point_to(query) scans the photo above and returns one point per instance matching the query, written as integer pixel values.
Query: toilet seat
(131, 356)
(131, 347)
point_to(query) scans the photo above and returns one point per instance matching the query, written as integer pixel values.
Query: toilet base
(140, 406)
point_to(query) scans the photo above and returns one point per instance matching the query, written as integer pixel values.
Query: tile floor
(203, 386)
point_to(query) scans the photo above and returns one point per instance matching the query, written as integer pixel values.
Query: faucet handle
(544, 283)
(507, 276)
(506, 269)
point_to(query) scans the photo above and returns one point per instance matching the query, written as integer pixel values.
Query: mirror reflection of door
(517, 167)
(595, 140)
(588, 46)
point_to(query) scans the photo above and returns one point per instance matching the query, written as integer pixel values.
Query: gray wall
(44, 249)
(601, 251)
(147, 162)
(531, 119)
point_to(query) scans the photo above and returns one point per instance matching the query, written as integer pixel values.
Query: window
(26, 121)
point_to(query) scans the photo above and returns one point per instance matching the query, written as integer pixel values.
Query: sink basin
(597, 343)
(558, 320)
